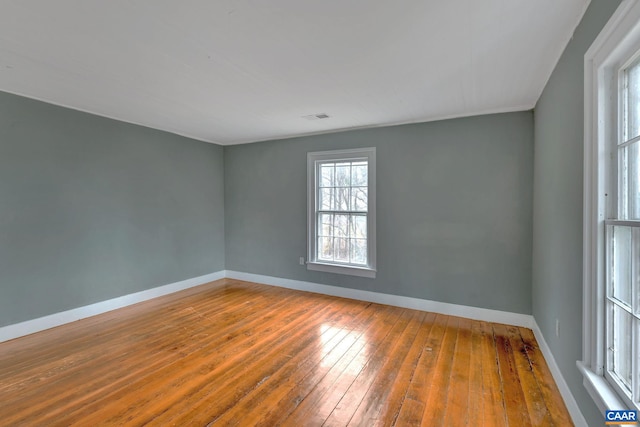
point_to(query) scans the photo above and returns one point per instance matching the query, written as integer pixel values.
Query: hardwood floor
(238, 353)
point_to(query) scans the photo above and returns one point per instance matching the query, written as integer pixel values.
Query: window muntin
(342, 211)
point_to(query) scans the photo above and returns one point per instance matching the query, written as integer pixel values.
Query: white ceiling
(234, 71)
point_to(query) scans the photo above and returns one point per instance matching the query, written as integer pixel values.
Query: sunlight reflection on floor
(352, 345)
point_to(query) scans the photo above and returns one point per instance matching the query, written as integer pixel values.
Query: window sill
(342, 269)
(600, 391)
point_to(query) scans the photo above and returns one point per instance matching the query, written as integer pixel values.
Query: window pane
(620, 344)
(326, 219)
(359, 199)
(359, 251)
(359, 226)
(326, 175)
(342, 199)
(341, 249)
(623, 175)
(341, 225)
(326, 199)
(359, 174)
(325, 225)
(343, 174)
(632, 181)
(620, 287)
(325, 248)
(633, 101)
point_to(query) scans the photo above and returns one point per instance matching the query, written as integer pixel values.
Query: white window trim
(617, 42)
(312, 263)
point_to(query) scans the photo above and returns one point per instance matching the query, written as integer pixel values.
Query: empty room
(319, 213)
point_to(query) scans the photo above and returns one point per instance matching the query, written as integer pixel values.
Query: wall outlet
(557, 327)
(301, 260)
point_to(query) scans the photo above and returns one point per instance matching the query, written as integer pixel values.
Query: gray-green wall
(454, 214)
(557, 205)
(92, 208)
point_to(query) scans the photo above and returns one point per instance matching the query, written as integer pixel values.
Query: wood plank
(392, 404)
(456, 410)
(435, 405)
(515, 404)
(476, 397)
(536, 408)
(412, 410)
(549, 390)
(493, 408)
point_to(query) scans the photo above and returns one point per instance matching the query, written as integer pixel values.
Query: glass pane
(326, 175)
(633, 181)
(326, 199)
(359, 226)
(341, 225)
(359, 199)
(342, 199)
(620, 287)
(343, 174)
(620, 345)
(325, 248)
(341, 247)
(359, 251)
(633, 101)
(326, 219)
(623, 175)
(359, 174)
(325, 225)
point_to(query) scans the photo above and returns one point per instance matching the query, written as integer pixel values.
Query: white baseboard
(475, 313)
(567, 396)
(40, 324)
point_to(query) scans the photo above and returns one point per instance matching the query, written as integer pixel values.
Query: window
(341, 211)
(622, 256)
(611, 340)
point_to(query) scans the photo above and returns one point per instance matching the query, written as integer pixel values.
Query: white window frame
(313, 263)
(618, 42)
